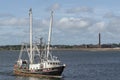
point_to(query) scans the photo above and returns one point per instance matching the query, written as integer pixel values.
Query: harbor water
(80, 65)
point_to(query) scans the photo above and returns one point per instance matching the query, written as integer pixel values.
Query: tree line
(18, 47)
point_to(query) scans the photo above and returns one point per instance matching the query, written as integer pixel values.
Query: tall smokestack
(99, 41)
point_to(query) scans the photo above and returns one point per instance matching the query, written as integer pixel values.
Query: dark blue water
(81, 65)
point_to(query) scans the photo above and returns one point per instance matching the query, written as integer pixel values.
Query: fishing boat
(40, 62)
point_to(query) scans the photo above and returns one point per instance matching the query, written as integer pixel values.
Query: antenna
(31, 54)
(50, 34)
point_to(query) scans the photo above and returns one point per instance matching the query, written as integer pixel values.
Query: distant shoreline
(75, 49)
(90, 49)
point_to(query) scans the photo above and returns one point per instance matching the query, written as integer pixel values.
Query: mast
(50, 33)
(31, 54)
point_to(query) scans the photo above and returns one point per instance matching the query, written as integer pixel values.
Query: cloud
(13, 21)
(63, 28)
(66, 30)
(41, 27)
(98, 26)
(111, 15)
(74, 23)
(72, 30)
(113, 22)
(6, 15)
(54, 7)
(114, 26)
(79, 10)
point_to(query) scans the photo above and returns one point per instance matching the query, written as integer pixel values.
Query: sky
(75, 22)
